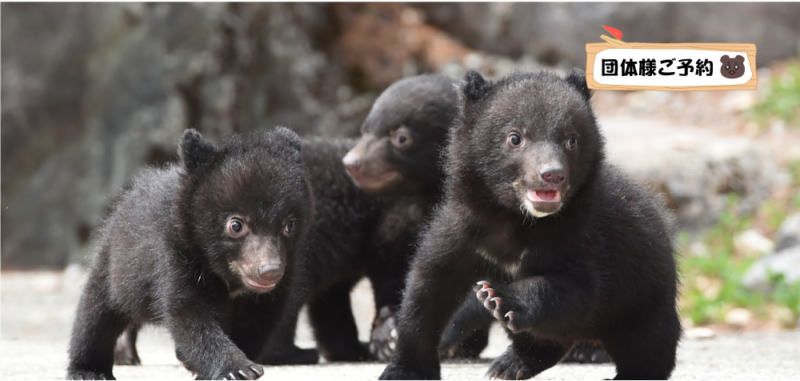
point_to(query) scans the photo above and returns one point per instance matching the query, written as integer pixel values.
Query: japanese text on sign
(671, 67)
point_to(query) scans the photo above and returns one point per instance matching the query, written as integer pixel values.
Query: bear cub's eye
(736, 67)
(572, 143)
(727, 67)
(288, 228)
(236, 228)
(514, 140)
(401, 138)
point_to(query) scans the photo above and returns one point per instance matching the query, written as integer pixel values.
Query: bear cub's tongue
(544, 195)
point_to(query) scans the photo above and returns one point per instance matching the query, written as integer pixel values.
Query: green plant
(774, 214)
(782, 99)
(712, 280)
(712, 277)
(785, 293)
(794, 172)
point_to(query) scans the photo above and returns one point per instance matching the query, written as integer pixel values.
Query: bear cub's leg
(97, 326)
(334, 325)
(526, 357)
(468, 333)
(125, 350)
(645, 349)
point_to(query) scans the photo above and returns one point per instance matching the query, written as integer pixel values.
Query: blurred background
(92, 93)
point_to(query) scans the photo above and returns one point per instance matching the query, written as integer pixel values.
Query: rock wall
(556, 32)
(94, 92)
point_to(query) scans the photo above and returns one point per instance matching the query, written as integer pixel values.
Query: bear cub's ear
(291, 137)
(577, 78)
(473, 86)
(290, 140)
(194, 151)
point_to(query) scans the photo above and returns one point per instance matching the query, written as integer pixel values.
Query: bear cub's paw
(126, 358)
(292, 356)
(509, 366)
(88, 375)
(249, 371)
(125, 352)
(396, 372)
(384, 335)
(587, 355)
(502, 306)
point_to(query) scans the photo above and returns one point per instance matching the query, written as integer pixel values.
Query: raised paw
(499, 306)
(88, 375)
(509, 366)
(246, 372)
(384, 335)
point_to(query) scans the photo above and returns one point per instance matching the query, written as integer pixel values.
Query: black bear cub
(194, 245)
(373, 197)
(403, 137)
(398, 160)
(566, 248)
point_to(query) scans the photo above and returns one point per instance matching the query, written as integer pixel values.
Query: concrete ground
(38, 308)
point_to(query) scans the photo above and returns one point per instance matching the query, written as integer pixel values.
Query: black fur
(359, 234)
(474, 87)
(338, 245)
(596, 266)
(167, 254)
(467, 335)
(420, 110)
(577, 79)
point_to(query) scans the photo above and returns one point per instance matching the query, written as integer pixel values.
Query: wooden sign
(617, 65)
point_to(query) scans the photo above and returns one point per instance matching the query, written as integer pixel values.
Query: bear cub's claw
(500, 309)
(247, 372)
(509, 366)
(587, 355)
(384, 335)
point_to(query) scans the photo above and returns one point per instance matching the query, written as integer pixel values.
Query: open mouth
(259, 286)
(543, 195)
(731, 72)
(375, 183)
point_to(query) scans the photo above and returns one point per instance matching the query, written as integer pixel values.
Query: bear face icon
(732, 67)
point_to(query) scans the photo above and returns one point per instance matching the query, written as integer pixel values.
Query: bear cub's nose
(270, 273)
(552, 175)
(352, 163)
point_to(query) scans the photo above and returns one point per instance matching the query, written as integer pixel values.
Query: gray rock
(697, 169)
(93, 93)
(789, 233)
(785, 262)
(41, 45)
(554, 32)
